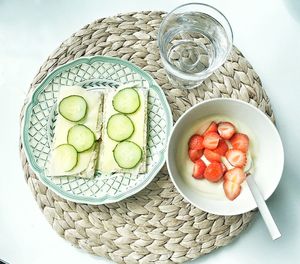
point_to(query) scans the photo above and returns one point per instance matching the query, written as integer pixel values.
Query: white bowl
(265, 148)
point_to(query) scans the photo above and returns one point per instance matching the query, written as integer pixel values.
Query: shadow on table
(293, 7)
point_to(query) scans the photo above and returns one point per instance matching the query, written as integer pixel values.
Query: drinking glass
(194, 40)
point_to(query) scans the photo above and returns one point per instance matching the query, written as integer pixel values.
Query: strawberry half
(213, 127)
(231, 189)
(226, 130)
(236, 175)
(240, 141)
(236, 158)
(211, 140)
(211, 155)
(195, 154)
(213, 172)
(199, 168)
(222, 148)
(195, 142)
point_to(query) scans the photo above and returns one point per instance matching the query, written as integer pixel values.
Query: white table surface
(267, 32)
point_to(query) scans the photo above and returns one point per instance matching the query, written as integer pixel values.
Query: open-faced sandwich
(124, 133)
(77, 132)
(113, 122)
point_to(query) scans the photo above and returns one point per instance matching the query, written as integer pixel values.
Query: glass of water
(194, 40)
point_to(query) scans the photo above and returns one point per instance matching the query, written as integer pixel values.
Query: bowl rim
(267, 119)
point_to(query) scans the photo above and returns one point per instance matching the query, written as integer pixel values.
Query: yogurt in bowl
(265, 150)
(213, 190)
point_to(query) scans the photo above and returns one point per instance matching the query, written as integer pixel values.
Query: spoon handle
(263, 208)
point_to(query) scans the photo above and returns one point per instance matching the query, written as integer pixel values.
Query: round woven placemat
(155, 225)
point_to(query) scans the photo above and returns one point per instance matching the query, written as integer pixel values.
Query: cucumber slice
(65, 157)
(81, 137)
(126, 101)
(127, 154)
(73, 108)
(119, 127)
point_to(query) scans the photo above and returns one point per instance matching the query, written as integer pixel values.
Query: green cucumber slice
(127, 154)
(119, 127)
(81, 137)
(65, 157)
(73, 108)
(126, 101)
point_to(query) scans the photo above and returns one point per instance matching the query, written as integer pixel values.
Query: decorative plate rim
(32, 99)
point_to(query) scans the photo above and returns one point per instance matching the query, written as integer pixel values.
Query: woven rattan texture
(156, 225)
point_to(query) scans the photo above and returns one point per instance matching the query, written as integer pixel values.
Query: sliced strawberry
(195, 142)
(226, 130)
(195, 154)
(231, 189)
(236, 175)
(223, 168)
(211, 140)
(199, 168)
(213, 172)
(236, 158)
(211, 155)
(222, 148)
(240, 141)
(213, 127)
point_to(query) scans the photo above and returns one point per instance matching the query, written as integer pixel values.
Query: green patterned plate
(97, 72)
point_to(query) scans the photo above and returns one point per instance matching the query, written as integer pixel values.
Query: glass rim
(204, 74)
